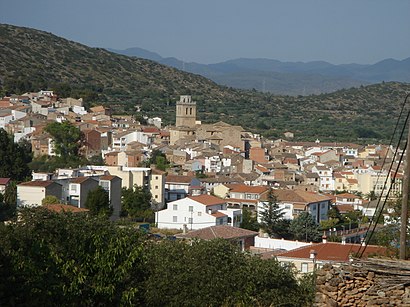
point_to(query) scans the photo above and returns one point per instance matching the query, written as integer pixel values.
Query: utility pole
(405, 200)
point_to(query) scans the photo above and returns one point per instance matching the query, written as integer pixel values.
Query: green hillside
(31, 60)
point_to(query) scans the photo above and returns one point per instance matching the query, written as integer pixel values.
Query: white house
(326, 180)
(196, 212)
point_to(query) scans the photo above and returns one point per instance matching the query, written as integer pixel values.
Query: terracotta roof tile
(4, 181)
(243, 188)
(218, 214)
(80, 179)
(332, 251)
(300, 196)
(108, 177)
(220, 231)
(208, 200)
(178, 179)
(37, 183)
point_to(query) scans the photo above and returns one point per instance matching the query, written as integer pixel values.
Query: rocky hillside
(32, 59)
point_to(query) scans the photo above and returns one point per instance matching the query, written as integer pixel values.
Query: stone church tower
(186, 112)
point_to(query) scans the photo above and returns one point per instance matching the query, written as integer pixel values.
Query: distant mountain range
(286, 78)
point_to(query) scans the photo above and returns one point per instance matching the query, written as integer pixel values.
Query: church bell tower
(186, 112)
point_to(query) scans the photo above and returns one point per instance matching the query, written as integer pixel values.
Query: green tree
(271, 217)
(96, 160)
(50, 259)
(249, 220)
(14, 158)
(159, 160)
(136, 202)
(66, 139)
(98, 202)
(50, 200)
(214, 273)
(304, 228)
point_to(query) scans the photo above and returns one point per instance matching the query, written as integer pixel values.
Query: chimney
(324, 237)
(312, 254)
(344, 240)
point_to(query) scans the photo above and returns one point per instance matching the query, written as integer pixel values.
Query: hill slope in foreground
(32, 59)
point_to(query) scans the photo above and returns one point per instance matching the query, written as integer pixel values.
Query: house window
(287, 206)
(156, 187)
(304, 267)
(229, 220)
(199, 213)
(175, 207)
(313, 207)
(191, 208)
(174, 219)
(190, 220)
(156, 196)
(74, 188)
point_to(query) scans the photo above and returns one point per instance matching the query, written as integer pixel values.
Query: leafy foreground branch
(51, 259)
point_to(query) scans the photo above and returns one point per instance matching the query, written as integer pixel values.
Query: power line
(378, 209)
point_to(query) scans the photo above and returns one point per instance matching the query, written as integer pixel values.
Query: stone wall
(364, 283)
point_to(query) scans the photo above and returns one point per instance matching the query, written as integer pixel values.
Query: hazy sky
(209, 31)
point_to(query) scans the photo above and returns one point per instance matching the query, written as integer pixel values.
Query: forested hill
(31, 60)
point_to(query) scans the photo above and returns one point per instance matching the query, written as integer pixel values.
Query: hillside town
(215, 171)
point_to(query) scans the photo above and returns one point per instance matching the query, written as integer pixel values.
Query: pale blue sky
(209, 31)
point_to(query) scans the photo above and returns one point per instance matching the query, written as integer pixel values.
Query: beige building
(154, 180)
(30, 194)
(185, 112)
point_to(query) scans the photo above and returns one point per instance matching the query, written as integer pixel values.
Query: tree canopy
(50, 259)
(271, 217)
(136, 203)
(14, 158)
(66, 138)
(304, 228)
(249, 220)
(98, 202)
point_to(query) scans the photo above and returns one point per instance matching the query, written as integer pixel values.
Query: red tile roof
(208, 200)
(178, 179)
(80, 179)
(4, 181)
(332, 251)
(243, 188)
(108, 177)
(220, 231)
(218, 214)
(150, 130)
(37, 183)
(299, 196)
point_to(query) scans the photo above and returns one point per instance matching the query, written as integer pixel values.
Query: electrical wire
(378, 209)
